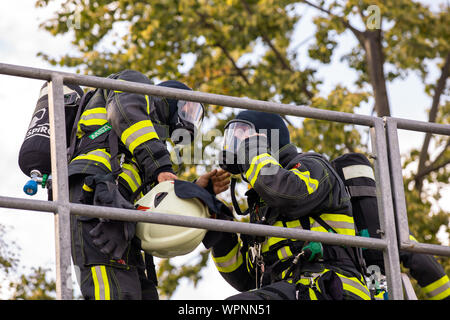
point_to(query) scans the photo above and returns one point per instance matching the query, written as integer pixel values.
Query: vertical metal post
(398, 191)
(386, 211)
(60, 188)
(409, 290)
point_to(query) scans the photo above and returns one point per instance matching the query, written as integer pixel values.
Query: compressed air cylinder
(34, 153)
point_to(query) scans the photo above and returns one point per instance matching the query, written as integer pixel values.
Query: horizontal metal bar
(234, 102)
(202, 223)
(28, 204)
(225, 226)
(422, 126)
(427, 248)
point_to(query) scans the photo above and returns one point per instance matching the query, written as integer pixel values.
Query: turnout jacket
(301, 190)
(136, 121)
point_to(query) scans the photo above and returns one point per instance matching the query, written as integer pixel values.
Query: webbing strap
(73, 133)
(233, 197)
(113, 141)
(362, 191)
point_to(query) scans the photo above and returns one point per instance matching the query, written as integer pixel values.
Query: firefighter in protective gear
(119, 154)
(357, 174)
(293, 190)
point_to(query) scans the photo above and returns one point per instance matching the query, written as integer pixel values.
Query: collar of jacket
(286, 154)
(159, 114)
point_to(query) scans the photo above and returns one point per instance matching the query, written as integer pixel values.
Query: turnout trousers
(100, 277)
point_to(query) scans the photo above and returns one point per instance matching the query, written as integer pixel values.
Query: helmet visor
(191, 112)
(236, 131)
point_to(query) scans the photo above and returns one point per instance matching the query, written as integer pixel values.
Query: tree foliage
(34, 286)
(245, 48)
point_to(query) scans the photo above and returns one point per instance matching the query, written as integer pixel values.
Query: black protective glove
(111, 236)
(249, 148)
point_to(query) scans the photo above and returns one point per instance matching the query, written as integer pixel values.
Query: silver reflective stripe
(254, 167)
(44, 91)
(99, 283)
(439, 290)
(283, 253)
(137, 134)
(335, 224)
(357, 171)
(355, 284)
(85, 117)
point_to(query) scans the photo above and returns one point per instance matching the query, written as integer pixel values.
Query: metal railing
(387, 173)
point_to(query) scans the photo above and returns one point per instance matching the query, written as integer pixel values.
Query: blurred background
(384, 58)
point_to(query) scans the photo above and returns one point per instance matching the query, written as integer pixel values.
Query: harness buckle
(258, 262)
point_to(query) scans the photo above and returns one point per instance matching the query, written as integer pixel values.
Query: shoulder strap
(73, 134)
(113, 141)
(234, 200)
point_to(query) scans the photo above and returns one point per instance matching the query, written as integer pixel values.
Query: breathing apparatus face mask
(189, 117)
(236, 131)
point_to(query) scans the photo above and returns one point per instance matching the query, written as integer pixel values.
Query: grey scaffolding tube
(62, 208)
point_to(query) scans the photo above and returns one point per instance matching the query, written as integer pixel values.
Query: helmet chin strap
(234, 200)
(177, 150)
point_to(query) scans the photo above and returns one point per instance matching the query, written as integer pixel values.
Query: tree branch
(359, 35)
(284, 62)
(432, 118)
(222, 47)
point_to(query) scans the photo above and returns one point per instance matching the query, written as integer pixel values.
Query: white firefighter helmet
(167, 241)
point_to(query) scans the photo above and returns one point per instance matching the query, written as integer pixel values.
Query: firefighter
(358, 176)
(292, 190)
(119, 154)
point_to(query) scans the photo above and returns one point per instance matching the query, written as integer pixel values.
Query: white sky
(21, 39)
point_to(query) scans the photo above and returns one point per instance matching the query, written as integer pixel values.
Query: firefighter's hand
(165, 176)
(221, 181)
(216, 181)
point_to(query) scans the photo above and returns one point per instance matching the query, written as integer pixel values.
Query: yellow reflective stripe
(341, 223)
(354, 286)
(138, 133)
(270, 241)
(105, 283)
(312, 294)
(253, 163)
(293, 224)
(439, 289)
(284, 253)
(91, 117)
(87, 188)
(99, 155)
(311, 183)
(101, 284)
(259, 167)
(259, 161)
(231, 261)
(148, 104)
(380, 295)
(143, 138)
(96, 284)
(130, 175)
(94, 116)
(100, 110)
